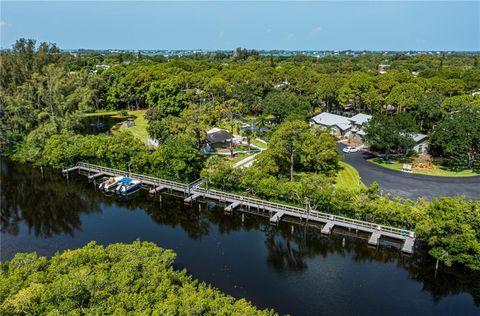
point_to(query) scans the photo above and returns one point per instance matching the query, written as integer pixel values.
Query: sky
(290, 25)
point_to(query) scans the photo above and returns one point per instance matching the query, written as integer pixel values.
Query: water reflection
(98, 124)
(49, 205)
(42, 201)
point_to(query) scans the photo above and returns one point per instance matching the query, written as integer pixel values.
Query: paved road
(411, 186)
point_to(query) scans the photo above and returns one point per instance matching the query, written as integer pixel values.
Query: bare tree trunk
(291, 165)
(231, 144)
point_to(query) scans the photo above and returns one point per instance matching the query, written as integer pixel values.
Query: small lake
(99, 124)
(290, 267)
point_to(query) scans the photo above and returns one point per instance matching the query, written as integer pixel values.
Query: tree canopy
(119, 279)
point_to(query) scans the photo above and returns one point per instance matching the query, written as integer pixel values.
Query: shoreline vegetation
(45, 93)
(118, 279)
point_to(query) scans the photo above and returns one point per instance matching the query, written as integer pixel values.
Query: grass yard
(101, 113)
(440, 171)
(348, 177)
(258, 143)
(141, 124)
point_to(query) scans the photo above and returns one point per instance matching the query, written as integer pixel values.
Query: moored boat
(127, 185)
(110, 184)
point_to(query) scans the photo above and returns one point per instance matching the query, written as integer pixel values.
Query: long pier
(194, 191)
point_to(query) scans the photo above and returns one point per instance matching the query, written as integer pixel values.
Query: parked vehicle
(350, 149)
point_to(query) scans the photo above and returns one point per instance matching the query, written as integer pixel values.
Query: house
(358, 122)
(339, 125)
(342, 126)
(217, 136)
(421, 143)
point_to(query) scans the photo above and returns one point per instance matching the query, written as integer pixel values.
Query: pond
(99, 124)
(290, 267)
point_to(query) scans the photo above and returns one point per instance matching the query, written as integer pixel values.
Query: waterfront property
(195, 190)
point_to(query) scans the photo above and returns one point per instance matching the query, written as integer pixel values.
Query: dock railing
(195, 187)
(312, 214)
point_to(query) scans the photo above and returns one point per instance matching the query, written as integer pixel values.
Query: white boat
(110, 184)
(127, 185)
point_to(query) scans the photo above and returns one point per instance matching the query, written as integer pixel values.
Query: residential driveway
(409, 185)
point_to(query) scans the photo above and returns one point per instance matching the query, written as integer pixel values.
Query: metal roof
(329, 119)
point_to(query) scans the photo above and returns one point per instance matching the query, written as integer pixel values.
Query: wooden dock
(157, 189)
(276, 217)
(231, 207)
(195, 191)
(374, 238)
(327, 229)
(96, 175)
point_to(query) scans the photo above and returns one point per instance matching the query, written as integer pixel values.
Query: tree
(451, 228)
(404, 96)
(177, 159)
(122, 279)
(228, 112)
(390, 133)
(293, 146)
(283, 104)
(327, 90)
(458, 134)
(428, 110)
(165, 98)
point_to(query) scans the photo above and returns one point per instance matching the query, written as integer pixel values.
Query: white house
(421, 143)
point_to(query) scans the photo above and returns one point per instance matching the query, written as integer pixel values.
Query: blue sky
(339, 25)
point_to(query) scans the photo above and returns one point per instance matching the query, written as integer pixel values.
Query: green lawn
(439, 171)
(258, 143)
(101, 113)
(141, 124)
(348, 177)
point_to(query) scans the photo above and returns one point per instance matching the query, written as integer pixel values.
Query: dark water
(98, 124)
(297, 272)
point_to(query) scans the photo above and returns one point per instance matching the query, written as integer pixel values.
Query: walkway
(411, 186)
(194, 191)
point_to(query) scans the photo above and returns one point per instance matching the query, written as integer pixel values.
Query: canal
(290, 267)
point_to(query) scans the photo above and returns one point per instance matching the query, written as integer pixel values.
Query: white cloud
(3, 23)
(291, 37)
(220, 35)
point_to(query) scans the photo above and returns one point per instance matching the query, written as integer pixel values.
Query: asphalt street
(407, 185)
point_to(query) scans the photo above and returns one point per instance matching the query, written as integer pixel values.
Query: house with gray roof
(421, 143)
(358, 122)
(342, 126)
(339, 125)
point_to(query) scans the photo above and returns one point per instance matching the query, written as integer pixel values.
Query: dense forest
(45, 92)
(120, 279)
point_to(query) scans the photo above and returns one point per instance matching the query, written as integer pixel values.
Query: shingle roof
(329, 119)
(217, 135)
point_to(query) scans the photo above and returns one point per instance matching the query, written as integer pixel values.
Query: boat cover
(126, 180)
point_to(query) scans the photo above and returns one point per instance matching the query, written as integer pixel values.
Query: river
(290, 267)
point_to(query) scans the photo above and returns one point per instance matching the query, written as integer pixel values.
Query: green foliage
(389, 134)
(283, 104)
(293, 146)
(119, 279)
(452, 231)
(176, 159)
(458, 134)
